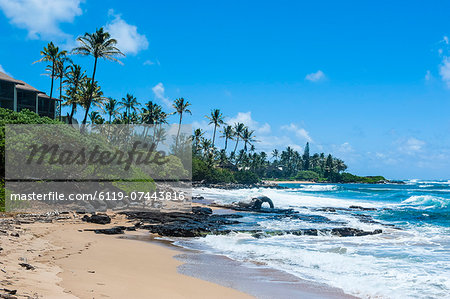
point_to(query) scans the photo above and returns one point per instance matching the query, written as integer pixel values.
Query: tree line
(237, 158)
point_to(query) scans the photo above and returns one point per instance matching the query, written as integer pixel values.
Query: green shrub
(10, 117)
(246, 177)
(307, 175)
(202, 172)
(351, 178)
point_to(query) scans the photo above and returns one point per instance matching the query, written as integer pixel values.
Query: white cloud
(158, 91)
(343, 148)
(246, 119)
(411, 145)
(315, 77)
(270, 142)
(150, 62)
(129, 41)
(299, 132)
(428, 76)
(42, 18)
(265, 129)
(445, 39)
(444, 70)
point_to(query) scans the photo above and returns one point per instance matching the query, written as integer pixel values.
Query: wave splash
(426, 202)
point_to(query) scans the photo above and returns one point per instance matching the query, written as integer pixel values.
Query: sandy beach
(69, 262)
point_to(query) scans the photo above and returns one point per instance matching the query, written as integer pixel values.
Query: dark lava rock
(330, 210)
(361, 208)
(109, 231)
(201, 210)
(97, 218)
(176, 224)
(339, 232)
(11, 292)
(352, 232)
(26, 266)
(7, 296)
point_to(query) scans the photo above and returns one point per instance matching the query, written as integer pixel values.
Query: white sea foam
(282, 198)
(408, 263)
(340, 262)
(318, 188)
(426, 202)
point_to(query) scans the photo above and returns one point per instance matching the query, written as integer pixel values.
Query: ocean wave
(427, 202)
(426, 186)
(341, 263)
(318, 188)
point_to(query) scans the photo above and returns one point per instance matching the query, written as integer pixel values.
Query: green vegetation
(234, 163)
(11, 117)
(350, 178)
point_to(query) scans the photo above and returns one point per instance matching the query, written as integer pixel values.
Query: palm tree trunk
(214, 135)
(53, 74)
(235, 147)
(226, 142)
(60, 95)
(179, 127)
(74, 105)
(90, 96)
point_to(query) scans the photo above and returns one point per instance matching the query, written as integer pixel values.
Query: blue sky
(368, 82)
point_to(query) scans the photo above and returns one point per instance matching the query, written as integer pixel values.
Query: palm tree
(247, 137)
(340, 165)
(96, 118)
(150, 113)
(198, 133)
(160, 135)
(74, 78)
(129, 103)
(238, 129)
(206, 145)
(92, 91)
(228, 134)
(99, 45)
(216, 118)
(51, 54)
(181, 106)
(275, 154)
(61, 71)
(110, 108)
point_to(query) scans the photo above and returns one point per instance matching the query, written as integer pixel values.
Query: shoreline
(69, 262)
(254, 279)
(72, 263)
(291, 182)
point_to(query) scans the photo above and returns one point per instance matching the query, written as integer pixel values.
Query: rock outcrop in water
(202, 222)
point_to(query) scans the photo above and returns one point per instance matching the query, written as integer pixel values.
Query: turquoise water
(410, 259)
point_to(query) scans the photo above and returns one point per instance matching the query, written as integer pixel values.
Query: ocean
(409, 259)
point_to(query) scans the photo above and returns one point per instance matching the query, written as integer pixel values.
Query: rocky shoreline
(202, 222)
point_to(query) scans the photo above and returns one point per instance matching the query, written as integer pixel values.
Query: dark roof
(24, 86)
(5, 77)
